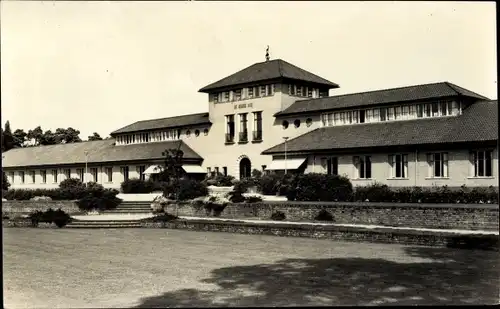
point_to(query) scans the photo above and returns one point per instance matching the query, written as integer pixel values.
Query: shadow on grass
(444, 276)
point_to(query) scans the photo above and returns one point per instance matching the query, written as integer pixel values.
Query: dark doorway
(245, 168)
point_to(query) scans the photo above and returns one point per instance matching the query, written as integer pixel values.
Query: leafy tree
(95, 137)
(35, 135)
(49, 138)
(172, 169)
(72, 136)
(7, 138)
(20, 138)
(5, 182)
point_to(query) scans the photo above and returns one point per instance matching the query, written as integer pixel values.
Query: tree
(5, 182)
(35, 135)
(20, 138)
(49, 138)
(7, 138)
(95, 137)
(72, 136)
(172, 169)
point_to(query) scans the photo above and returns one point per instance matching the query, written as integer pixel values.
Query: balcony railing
(257, 135)
(243, 136)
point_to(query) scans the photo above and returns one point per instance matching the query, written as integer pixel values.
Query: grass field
(144, 268)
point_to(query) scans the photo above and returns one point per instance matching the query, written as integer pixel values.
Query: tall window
(438, 164)
(362, 116)
(237, 95)
(257, 125)
(93, 172)
(109, 174)
(125, 172)
(224, 169)
(230, 128)
(54, 176)
(250, 92)
(226, 96)
(80, 174)
(67, 173)
(32, 176)
(141, 169)
(215, 97)
(21, 175)
(43, 173)
(263, 91)
(243, 127)
(399, 165)
(332, 166)
(383, 114)
(363, 166)
(482, 163)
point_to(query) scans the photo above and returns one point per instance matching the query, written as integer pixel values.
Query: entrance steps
(129, 207)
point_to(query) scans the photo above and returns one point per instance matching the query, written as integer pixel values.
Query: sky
(99, 66)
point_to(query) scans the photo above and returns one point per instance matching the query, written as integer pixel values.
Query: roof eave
(161, 128)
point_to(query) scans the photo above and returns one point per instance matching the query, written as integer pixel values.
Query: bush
(135, 185)
(97, 198)
(185, 189)
(58, 217)
(269, 184)
(324, 215)
(220, 180)
(236, 197)
(72, 189)
(320, 187)
(374, 193)
(278, 216)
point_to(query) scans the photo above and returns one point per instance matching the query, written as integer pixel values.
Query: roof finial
(267, 53)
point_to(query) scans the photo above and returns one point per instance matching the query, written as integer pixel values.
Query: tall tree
(172, 169)
(35, 135)
(95, 137)
(49, 138)
(20, 138)
(7, 138)
(72, 136)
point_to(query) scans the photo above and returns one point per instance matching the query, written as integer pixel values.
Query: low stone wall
(445, 216)
(393, 236)
(27, 207)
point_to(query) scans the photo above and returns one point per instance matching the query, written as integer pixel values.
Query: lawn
(143, 268)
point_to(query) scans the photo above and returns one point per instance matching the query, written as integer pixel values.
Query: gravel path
(144, 268)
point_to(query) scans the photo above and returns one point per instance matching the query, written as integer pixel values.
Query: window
(21, 175)
(309, 92)
(196, 132)
(93, 173)
(224, 169)
(205, 132)
(226, 96)
(32, 176)
(309, 122)
(420, 110)
(284, 124)
(299, 91)
(361, 116)
(178, 133)
(216, 170)
(332, 166)
(230, 128)
(54, 176)
(363, 166)
(412, 114)
(383, 114)
(292, 89)
(263, 91)
(390, 113)
(405, 111)
(397, 112)
(243, 127)
(141, 169)
(215, 97)
(271, 89)
(296, 123)
(250, 92)
(438, 164)
(237, 95)
(482, 163)
(109, 174)
(336, 118)
(79, 171)
(443, 107)
(330, 120)
(376, 115)
(428, 110)
(435, 109)
(125, 172)
(399, 165)
(43, 173)
(188, 133)
(67, 173)
(257, 125)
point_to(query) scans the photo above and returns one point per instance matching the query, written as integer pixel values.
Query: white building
(423, 135)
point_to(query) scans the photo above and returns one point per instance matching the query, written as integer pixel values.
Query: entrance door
(245, 168)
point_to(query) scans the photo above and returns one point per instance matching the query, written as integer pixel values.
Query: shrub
(72, 189)
(320, 187)
(97, 198)
(221, 180)
(278, 216)
(253, 199)
(185, 189)
(374, 193)
(256, 173)
(58, 217)
(135, 185)
(236, 197)
(269, 184)
(324, 215)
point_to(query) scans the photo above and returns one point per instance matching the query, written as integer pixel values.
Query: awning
(193, 169)
(153, 169)
(290, 164)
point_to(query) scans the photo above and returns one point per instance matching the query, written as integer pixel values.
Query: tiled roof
(162, 123)
(404, 94)
(98, 151)
(272, 69)
(479, 122)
